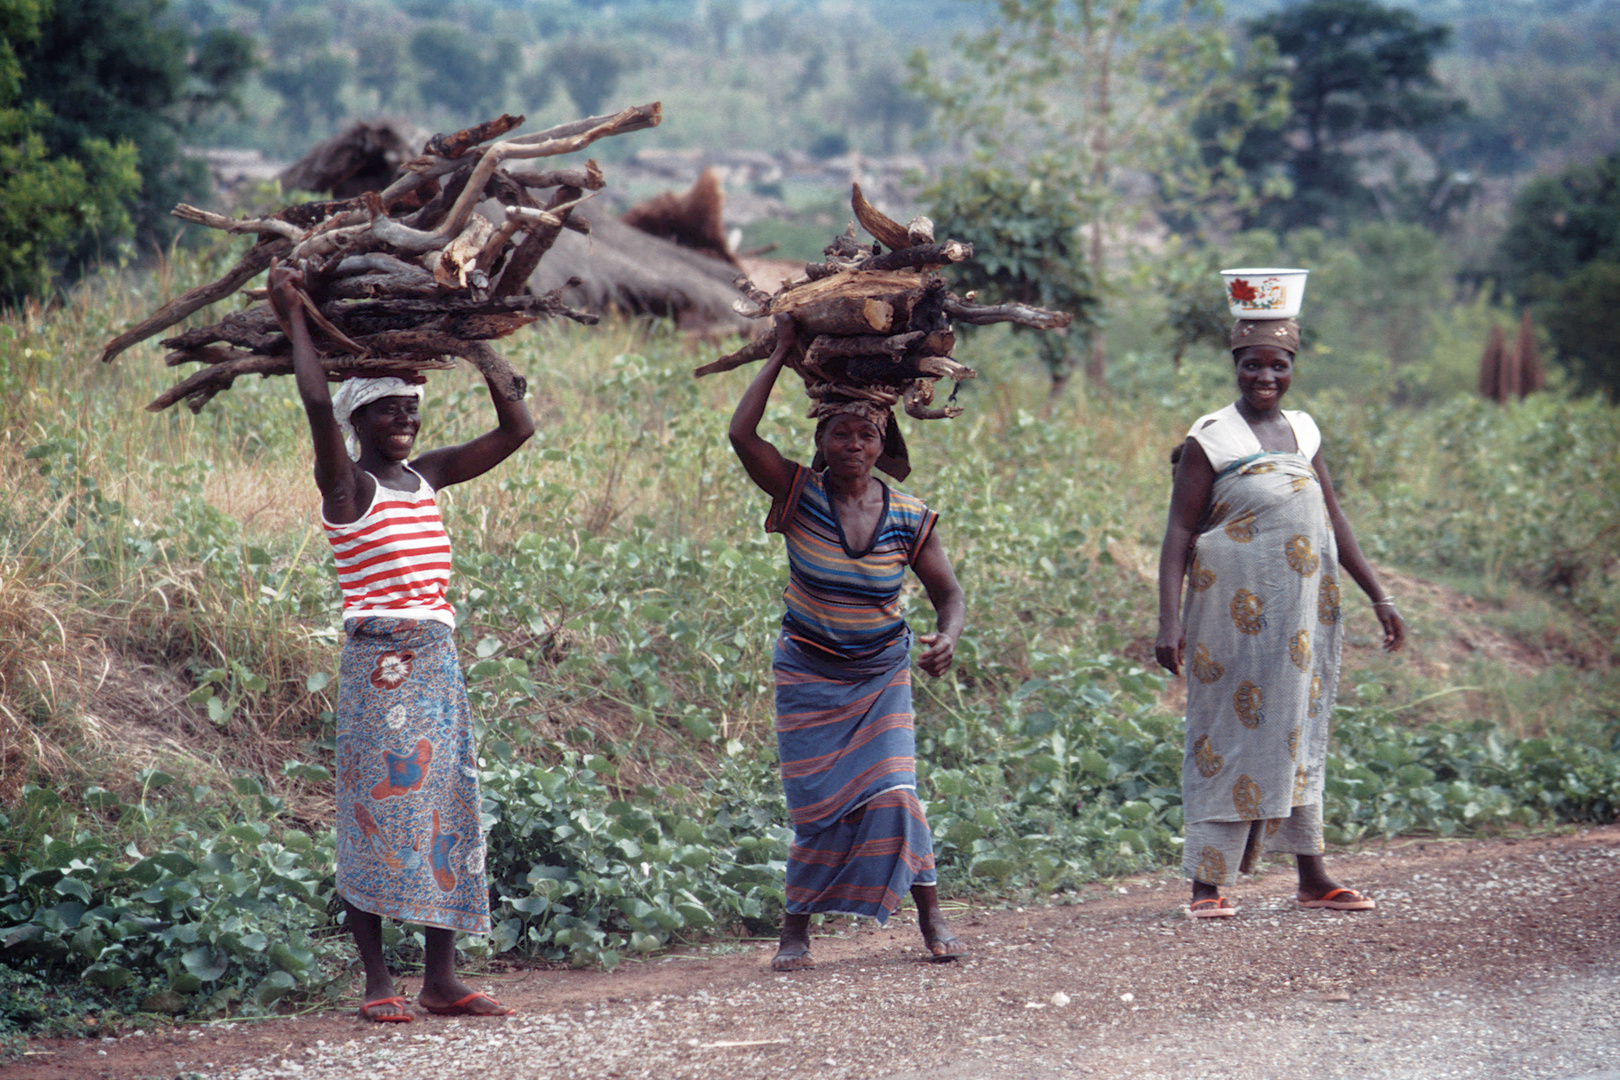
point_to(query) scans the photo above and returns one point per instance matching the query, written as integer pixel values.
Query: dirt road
(1496, 960)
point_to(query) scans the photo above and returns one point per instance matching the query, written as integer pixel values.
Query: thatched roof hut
(365, 157)
(624, 269)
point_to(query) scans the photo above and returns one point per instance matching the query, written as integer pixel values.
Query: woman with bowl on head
(842, 666)
(1256, 533)
(410, 842)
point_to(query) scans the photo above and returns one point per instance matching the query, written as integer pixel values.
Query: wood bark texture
(875, 326)
(398, 280)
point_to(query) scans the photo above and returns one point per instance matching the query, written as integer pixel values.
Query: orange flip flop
(398, 1015)
(1218, 908)
(459, 1008)
(1353, 901)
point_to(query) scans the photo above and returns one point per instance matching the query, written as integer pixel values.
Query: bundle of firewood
(402, 280)
(875, 326)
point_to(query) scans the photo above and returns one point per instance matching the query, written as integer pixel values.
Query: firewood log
(398, 280)
(845, 315)
(829, 346)
(255, 262)
(1022, 314)
(757, 349)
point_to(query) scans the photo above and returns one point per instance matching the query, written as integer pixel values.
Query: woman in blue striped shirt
(842, 667)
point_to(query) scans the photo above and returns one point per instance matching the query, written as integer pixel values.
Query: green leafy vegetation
(171, 850)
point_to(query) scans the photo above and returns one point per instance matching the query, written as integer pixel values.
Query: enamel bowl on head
(1264, 293)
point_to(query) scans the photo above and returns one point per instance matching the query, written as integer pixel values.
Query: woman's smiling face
(1264, 373)
(389, 425)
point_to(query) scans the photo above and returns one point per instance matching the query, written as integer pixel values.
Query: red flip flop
(399, 1015)
(1218, 908)
(459, 1008)
(1351, 901)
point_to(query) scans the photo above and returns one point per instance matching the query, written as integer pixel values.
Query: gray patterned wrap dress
(1262, 622)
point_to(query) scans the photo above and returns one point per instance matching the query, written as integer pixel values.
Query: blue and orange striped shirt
(841, 601)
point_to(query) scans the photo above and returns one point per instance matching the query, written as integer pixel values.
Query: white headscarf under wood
(353, 393)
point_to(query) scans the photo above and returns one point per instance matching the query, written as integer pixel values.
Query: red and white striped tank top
(394, 560)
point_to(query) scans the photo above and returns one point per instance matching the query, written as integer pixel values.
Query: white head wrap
(353, 393)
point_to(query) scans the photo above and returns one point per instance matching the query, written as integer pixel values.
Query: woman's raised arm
(453, 464)
(765, 464)
(335, 474)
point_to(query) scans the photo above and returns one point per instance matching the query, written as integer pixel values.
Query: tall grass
(167, 611)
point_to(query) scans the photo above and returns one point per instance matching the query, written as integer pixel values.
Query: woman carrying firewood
(410, 844)
(842, 666)
(1256, 533)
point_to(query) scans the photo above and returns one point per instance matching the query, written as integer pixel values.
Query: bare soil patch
(1486, 958)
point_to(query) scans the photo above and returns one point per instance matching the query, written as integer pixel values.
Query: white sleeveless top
(393, 561)
(1229, 438)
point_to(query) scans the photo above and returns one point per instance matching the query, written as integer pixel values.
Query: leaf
(698, 726)
(175, 863)
(297, 961)
(996, 869)
(204, 964)
(110, 976)
(275, 986)
(74, 887)
(300, 770)
(696, 915)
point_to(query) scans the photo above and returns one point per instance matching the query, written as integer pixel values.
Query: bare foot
(943, 946)
(792, 954)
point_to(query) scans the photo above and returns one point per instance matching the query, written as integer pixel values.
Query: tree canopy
(1561, 253)
(50, 202)
(1354, 68)
(97, 96)
(1073, 96)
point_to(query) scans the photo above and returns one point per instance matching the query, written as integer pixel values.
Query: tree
(381, 60)
(1561, 254)
(1557, 225)
(1583, 319)
(310, 87)
(1354, 68)
(1027, 232)
(589, 71)
(459, 73)
(94, 96)
(882, 99)
(50, 205)
(1080, 93)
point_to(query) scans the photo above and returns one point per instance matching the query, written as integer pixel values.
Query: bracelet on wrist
(1387, 601)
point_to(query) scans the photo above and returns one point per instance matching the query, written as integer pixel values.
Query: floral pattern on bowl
(1265, 295)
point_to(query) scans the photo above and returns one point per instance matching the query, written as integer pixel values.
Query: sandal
(461, 1007)
(1218, 908)
(1341, 900)
(399, 1014)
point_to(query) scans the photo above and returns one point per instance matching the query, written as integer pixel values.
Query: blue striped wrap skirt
(848, 755)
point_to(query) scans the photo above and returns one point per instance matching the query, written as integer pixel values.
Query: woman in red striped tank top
(410, 844)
